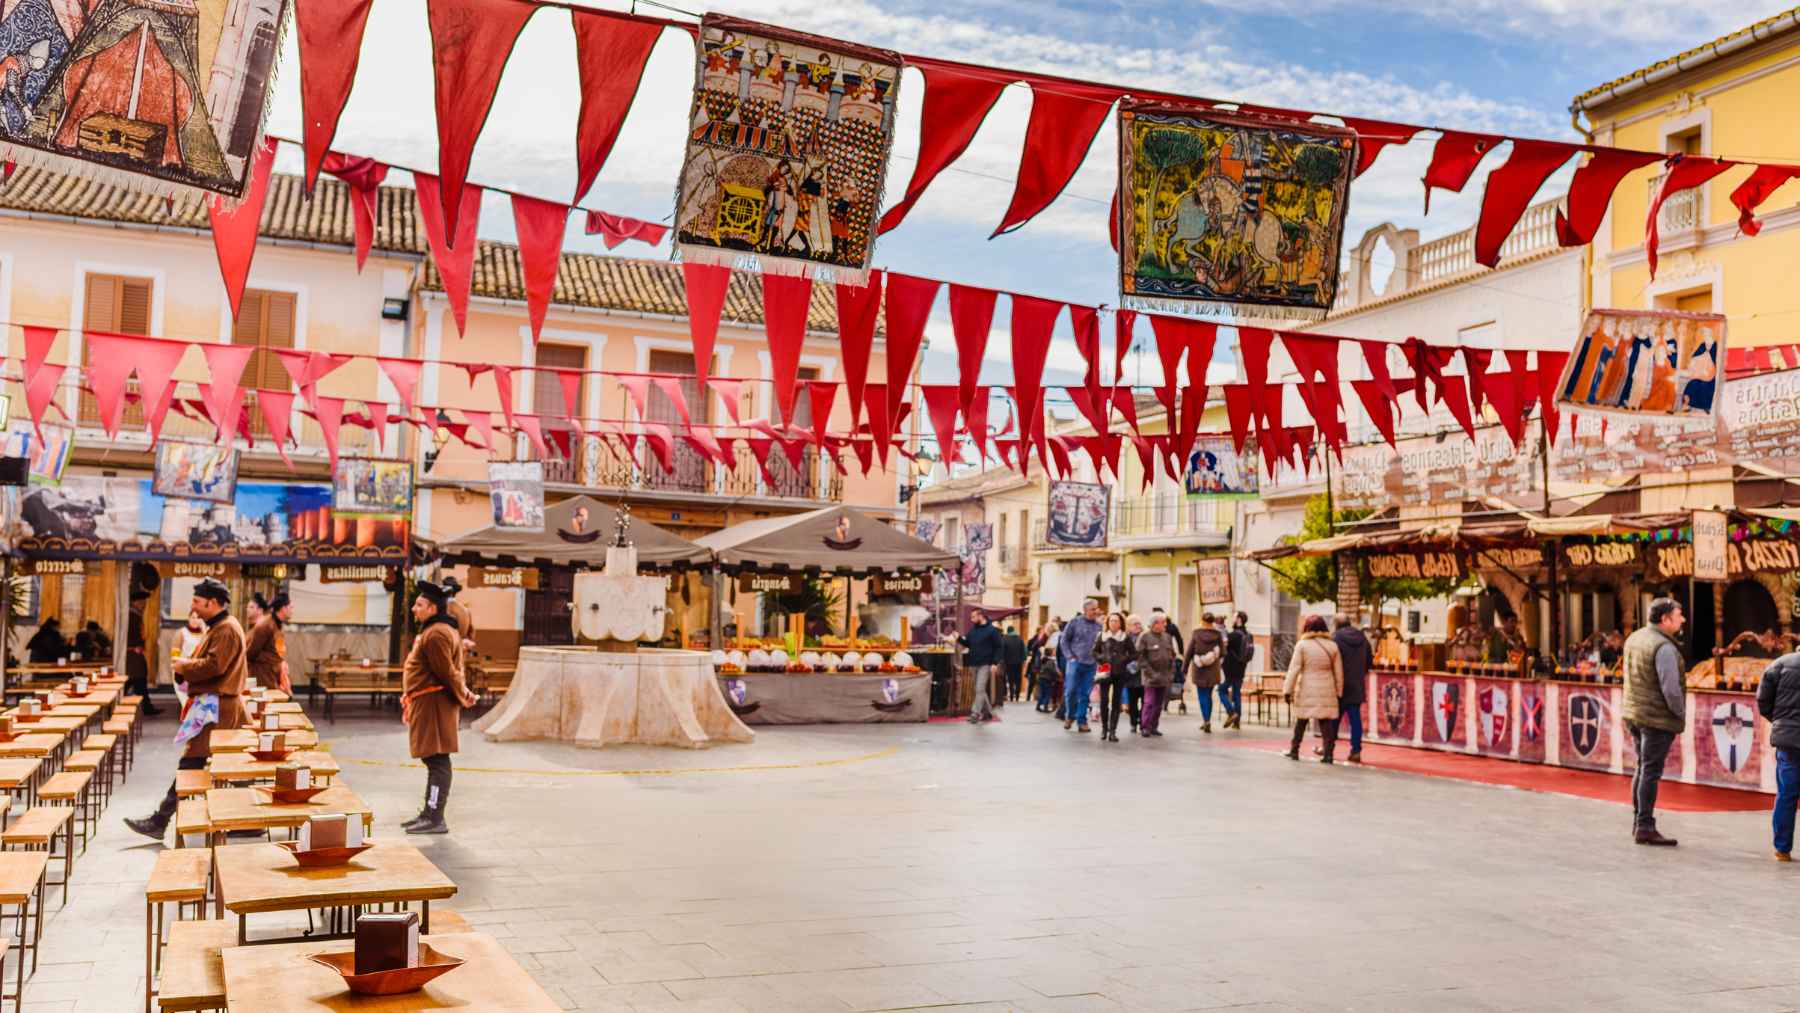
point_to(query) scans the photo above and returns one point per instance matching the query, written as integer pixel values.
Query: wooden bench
(193, 973)
(192, 783)
(122, 728)
(180, 878)
(37, 829)
(376, 681)
(192, 826)
(22, 882)
(73, 788)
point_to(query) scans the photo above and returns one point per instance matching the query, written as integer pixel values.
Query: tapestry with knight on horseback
(1230, 214)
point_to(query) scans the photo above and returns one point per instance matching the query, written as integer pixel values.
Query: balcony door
(548, 403)
(690, 473)
(265, 321)
(116, 305)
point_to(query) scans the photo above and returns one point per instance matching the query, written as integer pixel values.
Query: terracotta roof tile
(584, 279)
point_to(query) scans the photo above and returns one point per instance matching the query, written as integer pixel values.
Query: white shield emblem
(1734, 734)
(1445, 712)
(1493, 716)
(890, 690)
(738, 690)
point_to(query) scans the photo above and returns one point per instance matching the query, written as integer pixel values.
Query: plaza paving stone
(1020, 867)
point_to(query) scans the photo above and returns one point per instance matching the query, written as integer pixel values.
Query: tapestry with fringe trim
(1230, 214)
(166, 96)
(787, 150)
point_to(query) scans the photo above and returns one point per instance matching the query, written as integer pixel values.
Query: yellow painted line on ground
(641, 771)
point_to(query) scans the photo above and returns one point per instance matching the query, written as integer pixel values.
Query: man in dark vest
(1655, 709)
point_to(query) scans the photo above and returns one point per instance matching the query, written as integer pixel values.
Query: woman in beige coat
(1315, 681)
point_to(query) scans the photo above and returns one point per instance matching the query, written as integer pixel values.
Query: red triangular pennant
(956, 101)
(277, 408)
(540, 225)
(971, 321)
(705, 286)
(471, 41)
(610, 53)
(330, 34)
(671, 388)
(909, 302)
(821, 395)
(1379, 405)
(156, 363)
(234, 225)
(786, 299)
(1509, 192)
(941, 402)
(225, 365)
(1065, 116)
(363, 176)
(858, 309)
(455, 259)
(638, 386)
(1591, 190)
(404, 375)
(1124, 322)
(729, 391)
(1453, 161)
(110, 360)
(1033, 321)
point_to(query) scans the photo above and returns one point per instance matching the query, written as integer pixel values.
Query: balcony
(1014, 560)
(607, 467)
(186, 423)
(1174, 518)
(1682, 212)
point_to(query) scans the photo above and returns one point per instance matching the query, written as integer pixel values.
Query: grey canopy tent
(576, 534)
(834, 539)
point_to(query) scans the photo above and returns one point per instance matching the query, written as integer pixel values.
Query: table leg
(241, 930)
(425, 918)
(149, 953)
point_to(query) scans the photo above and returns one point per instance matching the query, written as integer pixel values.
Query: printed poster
(1496, 723)
(1445, 703)
(170, 91)
(1395, 717)
(1215, 470)
(1729, 740)
(1645, 363)
(47, 450)
(365, 487)
(1587, 727)
(1077, 515)
(516, 489)
(196, 471)
(1531, 741)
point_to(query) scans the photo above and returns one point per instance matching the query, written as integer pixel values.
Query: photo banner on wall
(1215, 470)
(1226, 213)
(516, 489)
(1646, 364)
(1758, 425)
(46, 446)
(365, 487)
(1078, 514)
(97, 517)
(787, 151)
(201, 471)
(161, 96)
(1446, 468)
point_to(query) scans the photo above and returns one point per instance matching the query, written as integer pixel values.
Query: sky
(1508, 66)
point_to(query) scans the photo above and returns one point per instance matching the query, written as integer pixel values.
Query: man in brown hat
(215, 674)
(432, 697)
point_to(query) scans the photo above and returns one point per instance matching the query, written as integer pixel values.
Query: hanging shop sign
(1442, 469)
(1711, 545)
(771, 583)
(190, 568)
(268, 571)
(1517, 558)
(907, 583)
(1415, 564)
(515, 577)
(1215, 579)
(1600, 555)
(50, 567)
(353, 574)
(1675, 560)
(1758, 425)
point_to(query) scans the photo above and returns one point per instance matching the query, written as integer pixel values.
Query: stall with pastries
(807, 674)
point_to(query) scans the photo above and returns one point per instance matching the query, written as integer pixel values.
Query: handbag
(1103, 673)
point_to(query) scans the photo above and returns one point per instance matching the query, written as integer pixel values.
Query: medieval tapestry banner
(1646, 364)
(1215, 470)
(787, 150)
(1229, 213)
(1078, 512)
(1449, 468)
(172, 90)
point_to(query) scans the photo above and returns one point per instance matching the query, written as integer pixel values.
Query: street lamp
(922, 463)
(440, 435)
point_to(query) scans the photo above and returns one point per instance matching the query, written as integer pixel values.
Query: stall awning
(836, 539)
(576, 533)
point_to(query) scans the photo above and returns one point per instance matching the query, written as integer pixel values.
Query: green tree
(1165, 148)
(1315, 578)
(816, 599)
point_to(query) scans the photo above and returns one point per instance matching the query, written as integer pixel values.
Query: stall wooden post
(717, 586)
(121, 612)
(849, 607)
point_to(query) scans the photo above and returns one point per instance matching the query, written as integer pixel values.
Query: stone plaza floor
(1020, 867)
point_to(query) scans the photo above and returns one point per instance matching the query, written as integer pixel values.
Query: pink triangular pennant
(452, 252)
(225, 365)
(404, 374)
(540, 225)
(234, 225)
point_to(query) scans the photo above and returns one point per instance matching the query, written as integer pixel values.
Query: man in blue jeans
(1078, 640)
(1778, 700)
(1358, 656)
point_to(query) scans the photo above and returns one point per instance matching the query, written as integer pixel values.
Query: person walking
(984, 647)
(1077, 643)
(1177, 693)
(1778, 701)
(1359, 656)
(1315, 681)
(1205, 653)
(1238, 649)
(1134, 627)
(1046, 677)
(267, 648)
(1655, 710)
(1117, 652)
(433, 695)
(215, 674)
(1012, 661)
(1158, 658)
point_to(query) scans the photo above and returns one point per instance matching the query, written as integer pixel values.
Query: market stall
(807, 675)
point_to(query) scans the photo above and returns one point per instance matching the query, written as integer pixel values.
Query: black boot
(156, 825)
(437, 796)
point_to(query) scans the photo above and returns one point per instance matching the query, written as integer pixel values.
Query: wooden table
(241, 768)
(22, 878)
(229, 809)
(20, 773)
(32, 745)
(285, 707)
(281, 979)
(242, 740)
(263, 878)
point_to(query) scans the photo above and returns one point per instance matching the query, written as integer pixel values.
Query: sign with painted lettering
(1215, 579)
(1602, 554)
(1419, 565)
(770, 583)
(50, 567)
(1710, 541)
(190, 568)
(1448, 468)
(1763, 555)
(888, 583)
(1517, 558)
(352, 574)
(525, 577)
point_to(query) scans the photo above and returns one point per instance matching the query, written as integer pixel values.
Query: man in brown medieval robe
(433, 695)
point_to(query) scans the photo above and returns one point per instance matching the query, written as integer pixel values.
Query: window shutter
(134, 306)
(546, 390)
(101, 312)
(118, 306)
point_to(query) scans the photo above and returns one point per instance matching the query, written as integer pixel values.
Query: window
(952, 537)
(691, 473)
(1002, 539)
(265, 321)
(1695, 302)
(1687, 142)
(117, 305)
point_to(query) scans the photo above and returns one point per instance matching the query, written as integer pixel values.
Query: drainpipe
(1587, 256)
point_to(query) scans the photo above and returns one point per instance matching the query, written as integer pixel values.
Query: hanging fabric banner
(1645, 364)
(118, 91)
(1255, 212)
(787, 153)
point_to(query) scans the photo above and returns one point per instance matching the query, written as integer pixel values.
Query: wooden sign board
(51, 567)
(1423, 565)
(518, 577)
(1522, 559)
(1601, 555)
(1758, 555)
(189, 568)
(1215, 579)
(912, 583)
(271, 571)
(352, 574)
(1710, 541)
(770, 583)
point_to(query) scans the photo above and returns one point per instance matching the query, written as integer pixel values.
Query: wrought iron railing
(600, 466)
(1681, 211)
